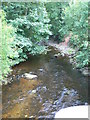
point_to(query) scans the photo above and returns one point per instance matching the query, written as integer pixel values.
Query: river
(58, 86)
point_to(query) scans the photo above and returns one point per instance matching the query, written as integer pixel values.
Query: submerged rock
(57, 55)
(30, 76)
(85, 73)
(40, 69)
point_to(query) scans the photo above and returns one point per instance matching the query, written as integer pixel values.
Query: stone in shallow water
(85, 73)
(30, 76)
(41, 70)
(57, 55)
(34, 91)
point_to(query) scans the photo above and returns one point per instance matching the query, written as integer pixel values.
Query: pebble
(34, 91)
(41, 70)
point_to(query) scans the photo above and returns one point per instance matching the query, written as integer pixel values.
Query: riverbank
(66, 50)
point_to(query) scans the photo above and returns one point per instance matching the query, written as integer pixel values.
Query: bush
(75, 17)
(6, 51)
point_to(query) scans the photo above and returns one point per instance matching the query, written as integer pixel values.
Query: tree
(32, 24)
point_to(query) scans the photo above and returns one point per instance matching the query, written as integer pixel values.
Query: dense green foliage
(6, 52)
(75, 17)
(55, 11)
(31, 21)
(27, 25)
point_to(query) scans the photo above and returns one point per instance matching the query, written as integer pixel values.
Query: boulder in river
(73, 112)
(30, 76)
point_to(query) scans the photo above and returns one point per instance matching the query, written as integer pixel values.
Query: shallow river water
(58, 86)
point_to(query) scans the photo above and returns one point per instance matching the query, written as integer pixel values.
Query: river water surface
(58, 86)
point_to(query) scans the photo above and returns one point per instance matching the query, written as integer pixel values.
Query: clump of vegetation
(55, 11)
(6, 51)
(32, 24)
(75, 18)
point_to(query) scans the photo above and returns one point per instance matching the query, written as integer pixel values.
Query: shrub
(75, 17)
(6, 52)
